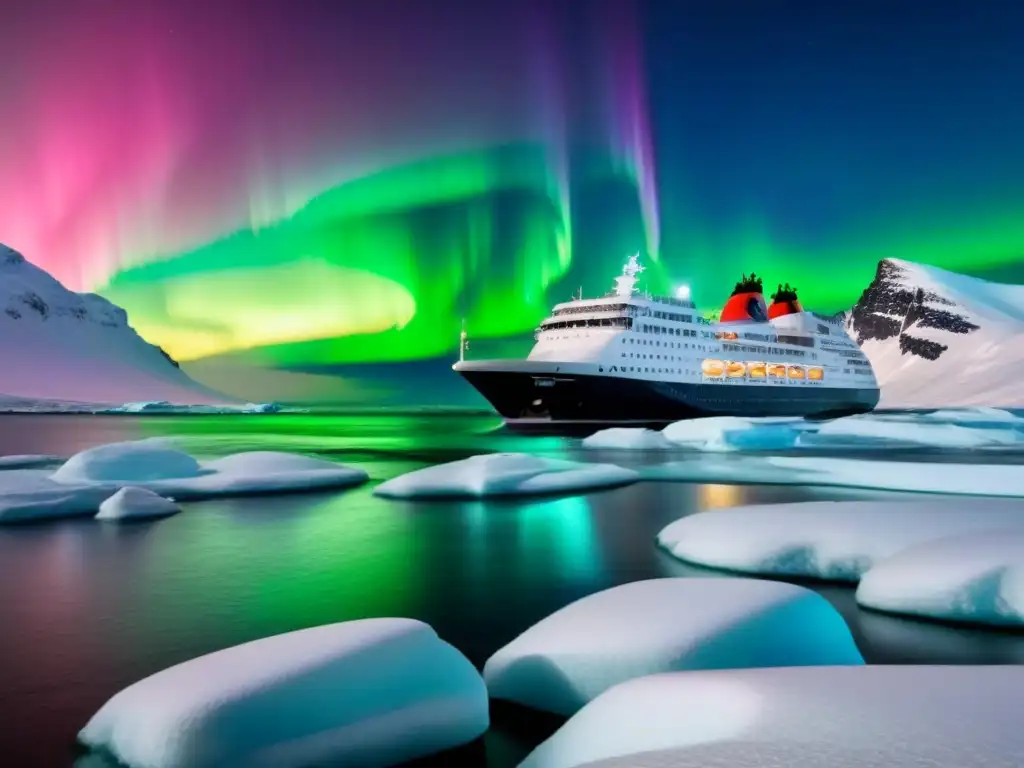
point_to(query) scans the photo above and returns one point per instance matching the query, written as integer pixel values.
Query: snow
(836, 540)
(376, 692)
(975, 578)
(131, 503)
(164, 407)
(27, 461)
(983, 367)
(623, 438)
(882, 716)
(665, 625)
(504, 474)
(90, 477)
(57, 345)
(911, 476)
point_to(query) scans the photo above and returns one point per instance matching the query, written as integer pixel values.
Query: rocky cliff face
(938, 338)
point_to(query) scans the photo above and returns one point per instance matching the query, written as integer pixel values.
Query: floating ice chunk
(27, 495)
(261, 408)
(852, 429)
(837, 540)
(132, 503)
(28, 461)
(499, 474)
(978, 415)
(973, 578)
(666, 625)
(914, 476)
(841, 717)
(146, 407)
(732, 433)
(375, 692)
(139, 461)
(261, 472)
(629, 439)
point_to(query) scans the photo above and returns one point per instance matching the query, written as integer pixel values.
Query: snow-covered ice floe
(911, 476)
(504, 474)
(840, 717)
(375, 692)
(629, 438)
(28, 461)
(88, 478)
(835, 540)
(977, 578)
(926, 431)
(131, 503)
(665, 625)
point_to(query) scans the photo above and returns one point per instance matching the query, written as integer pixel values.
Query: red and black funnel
(746, 302)
(784, 302)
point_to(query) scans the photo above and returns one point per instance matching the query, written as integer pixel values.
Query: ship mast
(625, 284)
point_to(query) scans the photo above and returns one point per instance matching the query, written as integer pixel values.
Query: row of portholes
(716, 369)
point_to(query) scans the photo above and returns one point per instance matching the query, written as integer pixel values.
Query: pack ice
(376, 692)
(663, 625)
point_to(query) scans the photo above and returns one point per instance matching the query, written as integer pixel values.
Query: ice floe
(732, 433)
(912, 476)
(88, 478)
(132, 503)
(504, 474)
(375, 692)
(872, 431)
(665, 625)
(836, 540)
(626, 438)
(843, 717)
(976, 578)
(28, 461)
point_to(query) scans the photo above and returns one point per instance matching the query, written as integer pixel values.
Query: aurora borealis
(308, 185)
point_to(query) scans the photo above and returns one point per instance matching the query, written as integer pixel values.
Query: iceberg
(624, 438)
(833, 540)
(132, 503)
(88, 478)
(976, 578)
(665, 625)
(874, 430)
(165, 407)
(375, 692)
(504, 474)
(882, 716)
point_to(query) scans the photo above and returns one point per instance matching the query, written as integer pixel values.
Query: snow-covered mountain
(938, 338)
(58, 345)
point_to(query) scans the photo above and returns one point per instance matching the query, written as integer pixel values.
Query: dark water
(87, 609)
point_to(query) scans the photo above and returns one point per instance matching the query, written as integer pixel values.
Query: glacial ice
(976, 578)
(375, 692)
(89, 477)
(625, 438)
(504, 474)
(165, 407)
(882, 716)
(835, 540)
(131, 503)
(874, 430)
(732, 433)
(665, 625)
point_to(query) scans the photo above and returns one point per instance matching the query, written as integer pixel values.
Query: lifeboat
(777, 370)
(796, 372)
(713, 368)
(756, 370)
(746, 302)
(815, 374)
(736, 370)
(784, 302)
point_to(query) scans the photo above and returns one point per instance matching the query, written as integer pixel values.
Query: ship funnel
(784, 302)
(746, 302)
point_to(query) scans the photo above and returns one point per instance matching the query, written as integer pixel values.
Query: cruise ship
(630, 358)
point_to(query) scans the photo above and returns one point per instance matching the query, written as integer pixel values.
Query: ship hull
(529, 401)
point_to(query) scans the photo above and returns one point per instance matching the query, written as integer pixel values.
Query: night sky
(310, 183)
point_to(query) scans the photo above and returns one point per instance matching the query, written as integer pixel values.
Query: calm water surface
(88, 609)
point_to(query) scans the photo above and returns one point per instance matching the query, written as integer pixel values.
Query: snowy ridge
(938, 338)
(64, 346)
